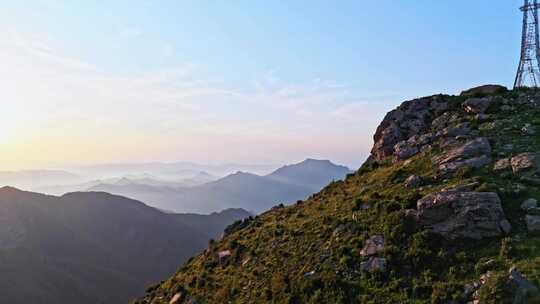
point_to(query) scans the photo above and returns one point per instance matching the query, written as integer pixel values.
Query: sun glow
(8, 123)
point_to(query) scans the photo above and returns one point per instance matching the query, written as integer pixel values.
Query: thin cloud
(62, 96)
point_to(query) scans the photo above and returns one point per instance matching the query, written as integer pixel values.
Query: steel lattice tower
(528, 74)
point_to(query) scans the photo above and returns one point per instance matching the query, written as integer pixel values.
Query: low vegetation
(310, 252)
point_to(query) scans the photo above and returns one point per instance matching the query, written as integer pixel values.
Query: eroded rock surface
(411, 118)
(373, 246)
(529, 204)
(455, 214)
(484, 90)
(476, 147)
(374, 264)
(477, 105)
(533, 223)
(474, 153)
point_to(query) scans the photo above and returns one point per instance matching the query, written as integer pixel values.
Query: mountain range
(167, 171)
(248, 191)
(27, 179)
(93, 247)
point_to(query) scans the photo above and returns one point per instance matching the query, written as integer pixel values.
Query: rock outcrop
(530, 203)
(477, 105)
(455, 214)
(417, 125)
(474, 153)
(411, 118)
(373, 246)
(374, 264)
(413, 181)
(488, 89)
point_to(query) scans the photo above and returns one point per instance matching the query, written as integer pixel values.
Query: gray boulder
(476, 162)
(455, 214)
(413, 181)
(476, 147)
(457, 130)
(374, 264)
(410, 118)
(533, 222)
(473, 153)
(373, 246)
(529, 204)
(404, 150)
(525, 289)
(477, 105)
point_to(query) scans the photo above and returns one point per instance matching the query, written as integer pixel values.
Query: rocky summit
(445, 210)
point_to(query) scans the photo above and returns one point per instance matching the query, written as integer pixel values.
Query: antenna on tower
(528, 74)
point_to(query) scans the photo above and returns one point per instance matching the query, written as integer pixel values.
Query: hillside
(444, 211)
(213, 224)
(239, 190)
(91, 247)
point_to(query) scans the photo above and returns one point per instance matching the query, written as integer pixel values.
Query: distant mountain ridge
(311, 173)
(92, 247)
(39, 178)
(175, 170)
(239, 190)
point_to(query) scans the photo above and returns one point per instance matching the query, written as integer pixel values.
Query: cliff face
(444, 211)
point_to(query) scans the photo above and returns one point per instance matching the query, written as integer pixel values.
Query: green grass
(273, 252)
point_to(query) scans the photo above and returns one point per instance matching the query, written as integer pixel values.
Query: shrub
(498, 289)
(445, 293)
(358, 204)
(506, 248)
(464, 172)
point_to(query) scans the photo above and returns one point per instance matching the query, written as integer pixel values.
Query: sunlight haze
(138, 81)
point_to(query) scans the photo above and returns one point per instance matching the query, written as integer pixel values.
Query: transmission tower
(528, 74)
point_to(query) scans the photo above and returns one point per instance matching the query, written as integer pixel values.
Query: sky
(84, 82)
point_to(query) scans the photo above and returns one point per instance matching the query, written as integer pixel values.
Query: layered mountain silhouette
(239, 190)
(37, 178)
(93, 247)
(198, 178)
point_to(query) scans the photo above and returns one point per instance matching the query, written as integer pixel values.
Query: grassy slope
(273, 252)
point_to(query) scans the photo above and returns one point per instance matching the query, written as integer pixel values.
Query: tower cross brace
(528, 74)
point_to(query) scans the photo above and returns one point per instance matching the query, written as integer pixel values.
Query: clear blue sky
(261, 81)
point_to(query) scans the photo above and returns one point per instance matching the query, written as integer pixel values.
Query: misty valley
(106, 240)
